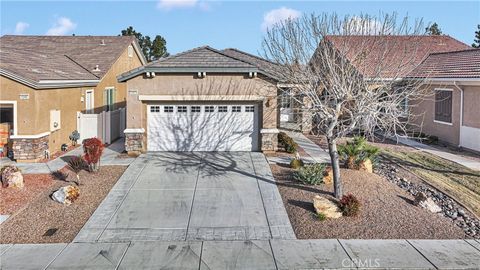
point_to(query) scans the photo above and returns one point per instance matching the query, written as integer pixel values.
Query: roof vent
(96, 69)
(102, 43)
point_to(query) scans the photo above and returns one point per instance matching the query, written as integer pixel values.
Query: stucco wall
(219, 86)
(425, 114)
(471, 106)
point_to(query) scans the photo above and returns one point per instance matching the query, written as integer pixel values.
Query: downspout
(461, 112)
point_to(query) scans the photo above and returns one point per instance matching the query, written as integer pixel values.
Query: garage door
(192, 127)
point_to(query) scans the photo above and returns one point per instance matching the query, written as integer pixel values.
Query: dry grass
(453, 179)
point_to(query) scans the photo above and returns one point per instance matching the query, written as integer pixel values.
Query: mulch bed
(30, 223)
(387, 210)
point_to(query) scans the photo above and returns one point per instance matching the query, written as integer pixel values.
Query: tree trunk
(337, 183)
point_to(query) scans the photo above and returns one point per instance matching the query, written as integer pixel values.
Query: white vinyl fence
(107, 126)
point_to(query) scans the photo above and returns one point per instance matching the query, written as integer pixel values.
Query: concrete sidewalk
(268, 254)
(109, 157)
(471, 164)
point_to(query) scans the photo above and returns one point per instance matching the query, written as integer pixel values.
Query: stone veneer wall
(29, 149)
(269, 142)
(134, 143)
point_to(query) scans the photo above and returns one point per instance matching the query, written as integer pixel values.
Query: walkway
(178, 196)
(109, 157)
(268, 254)
(471, 164)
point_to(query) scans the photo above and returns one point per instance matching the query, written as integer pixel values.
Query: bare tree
(349, 73)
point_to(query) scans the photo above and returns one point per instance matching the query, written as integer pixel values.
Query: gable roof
(39, 58)
(394, 50)
(459, 64)
(201, 59)
(273, 70)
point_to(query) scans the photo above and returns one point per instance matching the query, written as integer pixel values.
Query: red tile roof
(460, 64)
(391, 56)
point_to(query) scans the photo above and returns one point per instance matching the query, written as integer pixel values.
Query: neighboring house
(452, 113)
(202, 100)
(48, 81)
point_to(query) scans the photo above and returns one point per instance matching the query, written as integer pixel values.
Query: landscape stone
(66, 195)
(327, 207)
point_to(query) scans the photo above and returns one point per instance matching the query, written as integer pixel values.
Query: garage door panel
(207, 130)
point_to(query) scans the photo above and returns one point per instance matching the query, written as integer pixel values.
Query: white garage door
(225, 127)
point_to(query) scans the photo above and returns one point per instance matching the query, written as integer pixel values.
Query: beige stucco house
(202, 100)
(452, 110)
(46, 81)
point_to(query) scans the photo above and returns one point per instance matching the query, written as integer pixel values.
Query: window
(168, 109)
(209, 109)
(182, 109)
(222, 109)
(443, 105)
(236, 108)
(154, 108)
(89, 103)
(130, 51)
(195, 109)
(109, 98)
(249, 108)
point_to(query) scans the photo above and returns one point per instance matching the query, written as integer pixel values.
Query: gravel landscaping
(387, 210)
(29, 224)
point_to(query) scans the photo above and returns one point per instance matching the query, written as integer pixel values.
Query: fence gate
(107, 126)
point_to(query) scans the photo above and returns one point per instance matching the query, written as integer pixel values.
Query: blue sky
(220, 24)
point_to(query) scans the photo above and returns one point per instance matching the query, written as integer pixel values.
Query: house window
(443, 105)
(209, 109)
(249, 108)
(168, 109)
(130, 51)
(222, 109)
(182, 109)
(195, 109)
(236, 108)
(109, 98)
(154, 109)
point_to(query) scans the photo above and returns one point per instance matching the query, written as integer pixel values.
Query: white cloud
(278, 15)
(172, 4)
(20, 27)
(62, 26)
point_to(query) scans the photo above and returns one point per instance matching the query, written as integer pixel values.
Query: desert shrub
(76, 165)
(93, 149)
(349, 205)
(357, 151)
(296, 163)
(311, 174)
(287, 142)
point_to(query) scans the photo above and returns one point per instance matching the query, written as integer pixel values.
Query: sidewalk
(471, 164)
(109, 157)
(273, 254)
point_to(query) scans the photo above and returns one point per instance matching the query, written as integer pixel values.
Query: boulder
(66, 195)
(366, 165)
(11, 177)
(16, 180)
(420, 197)
(326, 207)
(423, 201)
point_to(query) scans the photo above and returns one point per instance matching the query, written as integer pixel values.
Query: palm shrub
(349, 205)
(351, 151)
(76, 165)
(287, 142)
(93, 149)
(311, 174)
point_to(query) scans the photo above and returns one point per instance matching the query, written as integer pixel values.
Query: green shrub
(287, 142)
(356, 151)
(321, 216)
(311, 174)
(349, 205)
(296, 163)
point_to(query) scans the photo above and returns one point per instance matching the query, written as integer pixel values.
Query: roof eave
(48, 84)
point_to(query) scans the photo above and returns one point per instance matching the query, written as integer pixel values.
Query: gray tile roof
(459, 64)
(271, 69)
(201, 57)
(38, 58)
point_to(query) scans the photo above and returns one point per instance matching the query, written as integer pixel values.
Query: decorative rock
(326, 207)
(328, 176)
(366, 165)
(420, 197)
(430, 205)
(66, 195)
(12, 177)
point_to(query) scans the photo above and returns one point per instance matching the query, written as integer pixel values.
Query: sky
(186, 24)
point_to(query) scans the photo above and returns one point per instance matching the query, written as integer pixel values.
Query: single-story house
(453, 112)
(203, 100)
(48, 82)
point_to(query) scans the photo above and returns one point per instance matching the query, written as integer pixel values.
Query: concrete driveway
(192, 196)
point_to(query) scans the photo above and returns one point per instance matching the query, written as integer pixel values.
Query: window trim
(434, 106)
(236, 106)
(196, 106)
(168, 109)
(183, 107)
